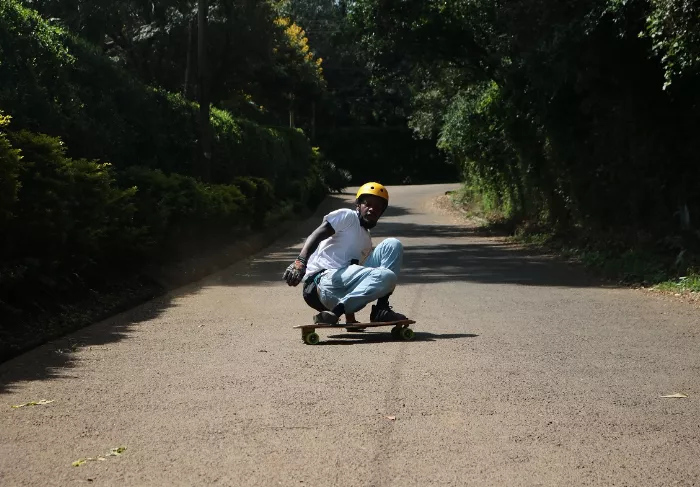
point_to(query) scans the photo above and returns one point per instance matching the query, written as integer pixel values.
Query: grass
(629, 266)
(689, 283)
(475, 206)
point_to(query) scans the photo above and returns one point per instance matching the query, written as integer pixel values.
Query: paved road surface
(523, 372)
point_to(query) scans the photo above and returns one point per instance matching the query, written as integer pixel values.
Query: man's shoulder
(342, 218)
(341, 212)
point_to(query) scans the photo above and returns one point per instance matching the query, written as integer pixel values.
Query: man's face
(371, 208)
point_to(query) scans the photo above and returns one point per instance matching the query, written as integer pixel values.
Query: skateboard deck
(400, 329)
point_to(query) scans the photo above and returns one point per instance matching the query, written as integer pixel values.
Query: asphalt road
(523, 372)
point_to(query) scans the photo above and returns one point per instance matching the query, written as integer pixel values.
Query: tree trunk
(291, 111)
(204, 125)
(188, 64)
(313, 121)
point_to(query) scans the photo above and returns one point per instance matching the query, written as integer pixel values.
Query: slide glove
(295, 272)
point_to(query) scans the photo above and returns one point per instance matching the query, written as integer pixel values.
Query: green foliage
(691, 283)
(616, 260)
(478, 203)
(335, 178)
(71, 89)
(630, 267)
(672, 26)
(72, 226)
(252, 54)
(554, 110)
(474, 131)
(297, 52)
(68, 220)
(355, 112)
(9, 174)
(68, 207)
(261, 193)
(75, 223)
(173, 207)
(243, 148)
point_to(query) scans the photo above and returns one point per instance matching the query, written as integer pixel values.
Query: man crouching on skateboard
(340, 271)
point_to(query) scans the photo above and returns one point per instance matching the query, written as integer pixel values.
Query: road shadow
(369, 337)
(435, 254)
(347, 200)
(432, 253)
(53, 358)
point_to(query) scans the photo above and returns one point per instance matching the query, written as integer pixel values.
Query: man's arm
(324, 231)
(295, 272)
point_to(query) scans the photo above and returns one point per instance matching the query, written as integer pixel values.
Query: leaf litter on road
(677, 395)
(33, 403)
(114, 452)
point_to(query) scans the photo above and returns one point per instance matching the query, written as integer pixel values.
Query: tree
(673, 27)
(553, 108)
(250, 53)
(204, 125)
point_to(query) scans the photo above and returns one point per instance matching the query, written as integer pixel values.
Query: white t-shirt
(350, 241)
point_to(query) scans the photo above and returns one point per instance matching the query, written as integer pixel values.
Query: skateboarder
(340, 271)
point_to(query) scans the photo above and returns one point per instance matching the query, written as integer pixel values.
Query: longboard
(400, 329)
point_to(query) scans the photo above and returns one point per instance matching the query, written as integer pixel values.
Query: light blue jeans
(357, 285)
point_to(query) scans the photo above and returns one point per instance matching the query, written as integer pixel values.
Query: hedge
(54, 82)
(98, 175)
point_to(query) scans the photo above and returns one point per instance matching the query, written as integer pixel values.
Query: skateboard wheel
(396, 332)
(407, 334)
(311, 338)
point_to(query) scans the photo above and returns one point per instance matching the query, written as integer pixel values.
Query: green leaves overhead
(253, 55)
(674, 28)
(557, 107)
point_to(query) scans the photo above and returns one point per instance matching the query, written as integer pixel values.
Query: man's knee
(386, 278)
(394, 244)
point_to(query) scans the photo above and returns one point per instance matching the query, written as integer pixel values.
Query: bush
(173, 207)
(261, 193)
(72, 226)
(73, 223)
(68, 220)
(9, 174)
(243, 148)
(56, 83)
(335, 178)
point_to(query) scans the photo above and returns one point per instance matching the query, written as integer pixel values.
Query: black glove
(295, 272)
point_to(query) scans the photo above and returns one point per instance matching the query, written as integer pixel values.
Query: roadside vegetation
(137, 134)
(608, 256)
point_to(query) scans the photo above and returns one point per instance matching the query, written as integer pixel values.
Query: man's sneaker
(385, 313)
(325, 318)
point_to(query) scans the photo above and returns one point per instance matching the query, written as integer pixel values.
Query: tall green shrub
(55, 83)
(70, 224)
(9, 174)
(73, 223)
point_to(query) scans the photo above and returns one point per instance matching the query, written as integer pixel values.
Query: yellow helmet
(375, 189)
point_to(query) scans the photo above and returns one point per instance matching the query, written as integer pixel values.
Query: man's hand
(295, 273)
